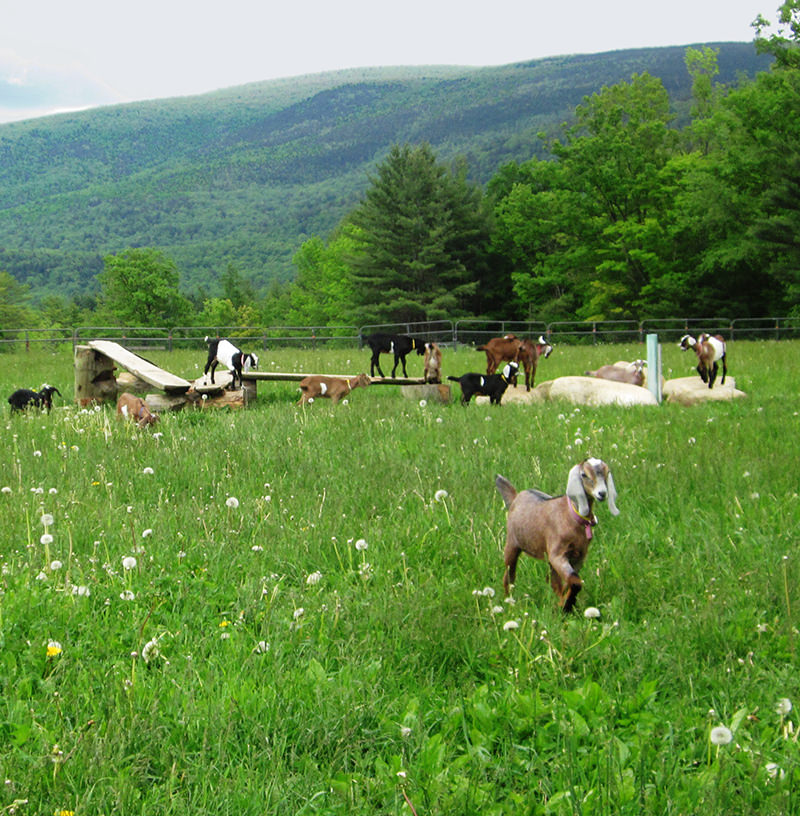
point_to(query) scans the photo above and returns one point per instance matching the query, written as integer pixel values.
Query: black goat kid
(23, 398)
(486, 385)
(398, 344)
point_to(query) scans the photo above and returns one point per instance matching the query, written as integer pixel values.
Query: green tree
(422, 236)
(15, 313)
(139, 287)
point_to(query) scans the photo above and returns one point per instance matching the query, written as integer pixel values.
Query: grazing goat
(398, 344)
(332, 387)
(710, 352)
(432, 363)
(632, 374)
(511, 348)
(23, 398)
(488, 385)
(223, 351)
(557, 529)
(129, 406)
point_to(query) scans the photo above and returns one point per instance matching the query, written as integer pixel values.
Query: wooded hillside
(241, 177)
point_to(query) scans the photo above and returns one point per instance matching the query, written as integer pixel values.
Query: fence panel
(435, 331)
(595, 331)
(19, 339)
(765, 328)
(478, 332)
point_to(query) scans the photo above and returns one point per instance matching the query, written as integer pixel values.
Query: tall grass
(287, 610)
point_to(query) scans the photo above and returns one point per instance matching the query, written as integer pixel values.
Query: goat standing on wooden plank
(489, 385)
(333, 388)
(710, 352)
(511, 348)
(432, 363)
(557, 529)
(398, 344)
(235, 360)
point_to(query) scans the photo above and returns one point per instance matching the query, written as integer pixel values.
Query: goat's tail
(507, 490)
(454, 379)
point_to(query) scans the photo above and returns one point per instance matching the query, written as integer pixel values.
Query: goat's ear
(575, 491)
(612, 495)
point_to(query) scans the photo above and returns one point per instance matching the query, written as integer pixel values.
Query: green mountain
(243, 176)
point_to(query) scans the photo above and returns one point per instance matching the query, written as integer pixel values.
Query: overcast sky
(63, 54)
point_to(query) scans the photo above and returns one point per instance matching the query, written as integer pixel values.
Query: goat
(235, 360)
(710, 352)
(511, 348)
(488, 385)
(558, 528)
(398, 344)
(632, 374)
(432, 363)
(129, 406)
(332, 387)
(23, 398)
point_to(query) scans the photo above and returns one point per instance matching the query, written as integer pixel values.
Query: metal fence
(445, 332)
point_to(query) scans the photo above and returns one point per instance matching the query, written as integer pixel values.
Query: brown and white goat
(557, 529)
(511, 348)
(710, 352)
(633, 374)
(333, 388)
(129, 406)
(432, 363)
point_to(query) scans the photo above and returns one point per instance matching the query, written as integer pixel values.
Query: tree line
(629, 216)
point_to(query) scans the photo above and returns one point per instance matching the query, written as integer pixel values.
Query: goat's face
(592, 479)
(510, 370)
(545, 349)
(687, 342)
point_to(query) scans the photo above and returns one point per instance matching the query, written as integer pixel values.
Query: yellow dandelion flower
(54, 648)
(223, 624)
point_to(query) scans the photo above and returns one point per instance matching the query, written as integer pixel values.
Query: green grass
(393, 676)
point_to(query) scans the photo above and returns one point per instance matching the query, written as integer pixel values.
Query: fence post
(654, 367)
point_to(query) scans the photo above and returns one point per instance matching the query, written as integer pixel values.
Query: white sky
(73, 53)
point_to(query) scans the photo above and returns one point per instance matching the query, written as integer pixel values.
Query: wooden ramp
(278, 376)
(144, 369)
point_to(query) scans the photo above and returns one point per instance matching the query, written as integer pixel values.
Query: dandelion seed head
(783, 706)
(299, 612)
(129, 562)
(148, 471)
(232, 502)
(591, 612)
(262, 647)
(361, 544)
(6, 489)
(127, 595)
(47, 519)
(510, 624)
(147, 532)
(314, 578)
(440, 495)
(720, 735)
(55, 565)
(46, 539)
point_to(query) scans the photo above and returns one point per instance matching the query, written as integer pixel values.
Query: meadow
(289, 610)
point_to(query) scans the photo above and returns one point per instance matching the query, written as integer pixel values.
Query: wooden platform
(144, 369)
(278, 376)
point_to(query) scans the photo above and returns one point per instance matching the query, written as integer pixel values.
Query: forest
(636, 199)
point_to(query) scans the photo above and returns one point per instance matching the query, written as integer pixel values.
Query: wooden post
(94, 377)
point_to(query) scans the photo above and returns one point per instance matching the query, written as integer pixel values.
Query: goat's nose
(600, 495)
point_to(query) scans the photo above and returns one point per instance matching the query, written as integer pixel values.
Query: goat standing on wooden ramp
(557, 529)
(333, 388)
(398, 344)
(223, 351)
(710, 351)
(432, 363)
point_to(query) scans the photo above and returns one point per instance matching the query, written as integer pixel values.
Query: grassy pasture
(283, 610)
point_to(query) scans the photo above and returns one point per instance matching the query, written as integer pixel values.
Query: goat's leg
(511, 556)
(701, 370)
(712, 374)
(213, 369)
(375, 363)
(574, 586)
(724, 370)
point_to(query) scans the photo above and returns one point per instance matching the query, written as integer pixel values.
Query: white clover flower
(720, 735)
(148, 471)
(47, 519)
(591, 612)
(46, 539)
(262, 647)
(510, 624)
(314, 578)
(440, 495)
(55, 565)
(299, 612)
(783, 706)
(129, 562)
(232, 501)
(127, 595)
(147, 532)
(361, 545)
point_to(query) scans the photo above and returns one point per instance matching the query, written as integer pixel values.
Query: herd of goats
(556, 529)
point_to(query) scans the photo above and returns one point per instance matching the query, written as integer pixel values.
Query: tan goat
(557, 529)
(333, 388)
(432, 363)
(511, 348)
(135, 408)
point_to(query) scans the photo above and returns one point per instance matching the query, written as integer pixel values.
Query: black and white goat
(710, 352)
(486, 385)
(235, 360)
(398, 344)
(23, 398)
(556, 529)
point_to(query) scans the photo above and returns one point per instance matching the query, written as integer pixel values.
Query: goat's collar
(587, 523)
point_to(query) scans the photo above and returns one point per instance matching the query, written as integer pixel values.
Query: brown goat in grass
(710, 351)
(511, 348)
(333, 388)
(432, 363)
(557, 529)
(135, 408)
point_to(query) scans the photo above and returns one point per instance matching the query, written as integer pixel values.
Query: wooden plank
(144, 369)
(278, 376)
(222, 379)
